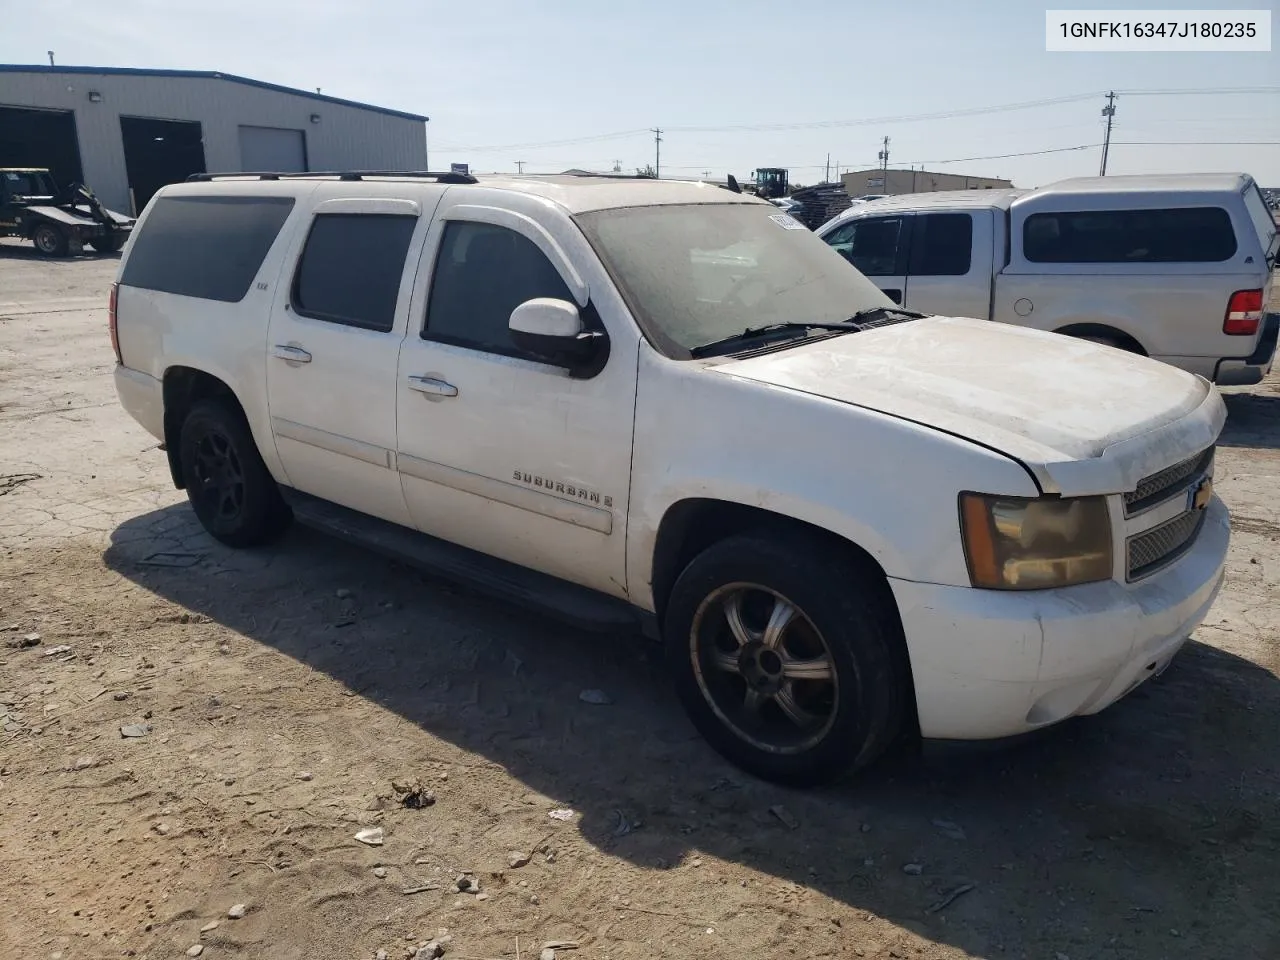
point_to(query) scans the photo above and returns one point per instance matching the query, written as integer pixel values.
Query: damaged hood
(1082, 417)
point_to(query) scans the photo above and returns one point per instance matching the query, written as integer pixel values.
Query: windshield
(28, 183)
(698, 273)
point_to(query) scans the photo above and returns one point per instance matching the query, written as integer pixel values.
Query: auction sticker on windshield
(787, 222)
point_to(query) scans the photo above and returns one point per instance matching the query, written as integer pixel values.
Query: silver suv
(1174, 267)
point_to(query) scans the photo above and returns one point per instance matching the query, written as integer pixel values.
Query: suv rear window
(1183, 235)
(206, 247)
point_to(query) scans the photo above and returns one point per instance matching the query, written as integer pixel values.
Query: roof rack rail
(605, 176)
(440, 176)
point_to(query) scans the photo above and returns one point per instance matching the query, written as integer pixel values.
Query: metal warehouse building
(128, 132)
(894, 182)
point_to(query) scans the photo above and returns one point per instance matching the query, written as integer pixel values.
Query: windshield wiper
(751, 333)
(864, 319)
(882, 316)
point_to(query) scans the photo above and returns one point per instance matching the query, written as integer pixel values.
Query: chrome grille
(1168, 483)
(1162, 545)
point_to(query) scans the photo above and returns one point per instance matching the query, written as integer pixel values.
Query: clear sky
(524, 72)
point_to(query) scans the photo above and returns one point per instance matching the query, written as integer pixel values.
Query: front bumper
(990, 664)
(1251, 369)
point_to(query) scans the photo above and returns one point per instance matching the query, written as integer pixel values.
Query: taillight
(1244, 313)
(111, 321)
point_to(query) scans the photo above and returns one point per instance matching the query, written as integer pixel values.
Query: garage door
(41, 138)
(273, 148)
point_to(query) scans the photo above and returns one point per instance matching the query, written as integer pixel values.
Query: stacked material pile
(820, 203)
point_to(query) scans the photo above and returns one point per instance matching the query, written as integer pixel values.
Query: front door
(498, 451)
(332, 347)
(878, 247)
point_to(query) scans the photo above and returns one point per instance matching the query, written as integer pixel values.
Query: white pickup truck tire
(782, 651)
(230, 488)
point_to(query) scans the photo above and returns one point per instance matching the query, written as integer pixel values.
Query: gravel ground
(281, 692)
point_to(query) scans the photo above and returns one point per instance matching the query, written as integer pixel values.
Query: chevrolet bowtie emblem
(1203, 494)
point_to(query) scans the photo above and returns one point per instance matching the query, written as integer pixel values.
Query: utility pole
(657, 152)
(1109, 111)
(520, 166)
(884, 166)
(826, 171)
(617, 166)
(50, 52)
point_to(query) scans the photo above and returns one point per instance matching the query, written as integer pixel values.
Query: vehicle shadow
(1124, 825)
(25, 251)
(1253, 420)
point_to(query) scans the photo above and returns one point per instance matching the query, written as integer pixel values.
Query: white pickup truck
(1174, 267)
(668, 404)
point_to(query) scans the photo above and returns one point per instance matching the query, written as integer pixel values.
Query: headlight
(1015, 543)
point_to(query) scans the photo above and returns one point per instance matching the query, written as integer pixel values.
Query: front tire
(50, 240)
(788, 657)
(228, 485)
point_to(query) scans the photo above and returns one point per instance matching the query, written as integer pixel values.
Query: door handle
(433, 387)
(894, 294)
(291, 354)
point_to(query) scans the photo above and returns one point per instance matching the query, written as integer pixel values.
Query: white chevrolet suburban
(633, 401)
(1175, 267)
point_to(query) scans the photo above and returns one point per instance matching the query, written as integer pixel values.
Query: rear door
(949, 271)
(334, 340)
(879, 248)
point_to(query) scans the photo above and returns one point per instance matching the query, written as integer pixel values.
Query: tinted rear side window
(944, 245)
(207, 247)
(1187, 235)
(351, 267)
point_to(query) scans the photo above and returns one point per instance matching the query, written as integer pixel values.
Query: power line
(1194, 92)
(1197, 143)
(899, 118)
(1027, 153)
(1006, 156)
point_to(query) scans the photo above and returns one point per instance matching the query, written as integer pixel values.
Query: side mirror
(552, 330)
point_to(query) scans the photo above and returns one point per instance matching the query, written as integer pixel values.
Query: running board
(579, 606)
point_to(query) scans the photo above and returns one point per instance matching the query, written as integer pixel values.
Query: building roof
(205, 75)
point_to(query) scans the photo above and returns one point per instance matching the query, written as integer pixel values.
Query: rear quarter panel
(1174, 311)
(159, 331)
(1170, 315)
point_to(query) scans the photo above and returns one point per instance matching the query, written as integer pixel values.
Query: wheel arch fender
(691, 524)
(1111, 329)
(185, 384)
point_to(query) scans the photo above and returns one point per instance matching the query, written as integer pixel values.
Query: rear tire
(230, 488)
(50, 240)
(111, 243)
(788, 657)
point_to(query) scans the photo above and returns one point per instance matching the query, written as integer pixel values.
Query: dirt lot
(285, 690)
